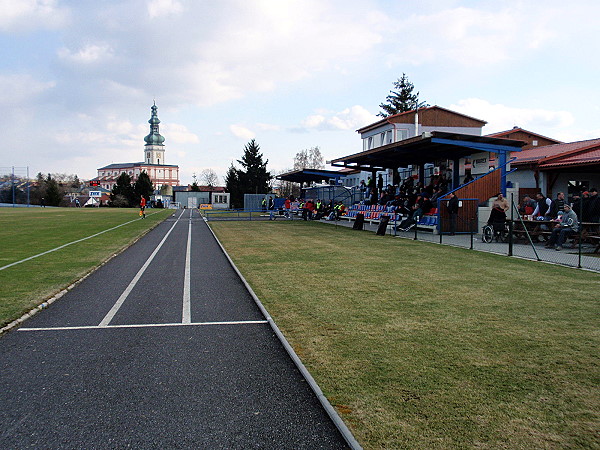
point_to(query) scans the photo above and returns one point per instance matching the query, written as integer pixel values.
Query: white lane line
(187, 313)
(67, 244)
(147, 325)
(137, 277)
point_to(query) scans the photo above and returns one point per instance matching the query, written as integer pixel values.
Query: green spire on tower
(154, 138)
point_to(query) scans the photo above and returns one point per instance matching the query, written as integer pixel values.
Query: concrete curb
(331, 412)
(47, 302)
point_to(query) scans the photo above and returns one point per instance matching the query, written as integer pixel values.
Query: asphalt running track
(162, 347)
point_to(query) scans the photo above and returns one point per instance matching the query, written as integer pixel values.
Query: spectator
(594, 206)
(568, 225)
(271, 209)
(542, 205)
(453, 211)
(527, 206)
(556, 206)
(287, 205)
(501, 203)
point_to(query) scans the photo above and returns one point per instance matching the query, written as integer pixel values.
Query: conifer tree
(142, 186)
(402, 99)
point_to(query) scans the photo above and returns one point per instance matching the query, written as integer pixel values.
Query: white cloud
(18, 90)
(474, 36)
(501, 117)
(241, 132)
(89, 54)
(348, 119)
(25, 15)
(159, 8)
(178, 134)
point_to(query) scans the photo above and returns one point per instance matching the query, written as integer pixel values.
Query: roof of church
(136, 164)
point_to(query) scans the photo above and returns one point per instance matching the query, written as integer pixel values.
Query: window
(370, 146)
(534, 143)
(401, 134)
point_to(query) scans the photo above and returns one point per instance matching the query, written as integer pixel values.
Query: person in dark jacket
(453, 211)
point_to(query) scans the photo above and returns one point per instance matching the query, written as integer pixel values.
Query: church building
(154, 162)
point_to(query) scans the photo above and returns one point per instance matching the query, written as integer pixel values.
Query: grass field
(426, 346)
(25, 232)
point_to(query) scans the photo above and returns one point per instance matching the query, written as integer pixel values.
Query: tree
(209, 177)
(232, 184)
(124, 189)
(309, 159)
(402, 99)
(194, 187)
(142, 186)
(53, 193)
(253, 177)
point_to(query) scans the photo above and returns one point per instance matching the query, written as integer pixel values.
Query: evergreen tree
(253, 178)
(53, 193)
(232, 184)
(402, 99)
(142, 186)
(194, 187)
(124, 189)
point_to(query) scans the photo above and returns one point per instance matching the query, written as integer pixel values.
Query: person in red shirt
(288, 208)
(143, 207)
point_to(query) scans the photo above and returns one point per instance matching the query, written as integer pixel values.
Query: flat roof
(310, 175)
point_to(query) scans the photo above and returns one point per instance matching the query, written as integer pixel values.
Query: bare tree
(209, 177)
(286, 188)
(309, 159)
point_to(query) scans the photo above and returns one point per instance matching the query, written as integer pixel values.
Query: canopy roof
(310, 175)
(427, 148)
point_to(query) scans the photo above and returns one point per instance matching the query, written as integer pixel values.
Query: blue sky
(79, 77)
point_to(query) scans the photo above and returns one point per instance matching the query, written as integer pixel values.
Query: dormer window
(155, 128)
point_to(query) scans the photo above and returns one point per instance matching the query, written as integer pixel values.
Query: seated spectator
(527, 206)
(567, 226)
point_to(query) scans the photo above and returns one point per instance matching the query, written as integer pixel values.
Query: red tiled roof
(588, 157)
(550, 153)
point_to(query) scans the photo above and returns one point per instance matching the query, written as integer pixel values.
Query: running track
(162, 347)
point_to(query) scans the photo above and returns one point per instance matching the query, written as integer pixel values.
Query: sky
(79, 77)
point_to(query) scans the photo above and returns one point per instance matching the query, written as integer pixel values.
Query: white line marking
(137, 277)
(148, 325)
(187, 313)
(66, 245)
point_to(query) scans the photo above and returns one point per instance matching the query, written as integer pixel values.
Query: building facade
(160, 174)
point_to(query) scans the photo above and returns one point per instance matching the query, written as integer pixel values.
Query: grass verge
(25, 232)
(419, 345)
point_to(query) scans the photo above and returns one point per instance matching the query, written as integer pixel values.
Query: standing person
(288, 208)
(143, 207)
(501, 203)
(568, 225)
(542, 206)
(594, 206)
(556, 206)
(453, 211)
(271, 209)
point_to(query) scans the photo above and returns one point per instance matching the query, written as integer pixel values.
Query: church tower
(154, 150)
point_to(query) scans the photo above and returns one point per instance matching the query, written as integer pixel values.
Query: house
(565, 167)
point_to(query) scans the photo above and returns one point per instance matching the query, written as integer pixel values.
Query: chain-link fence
(519, 236)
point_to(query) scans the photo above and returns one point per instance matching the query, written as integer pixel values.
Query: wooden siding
(435, 117)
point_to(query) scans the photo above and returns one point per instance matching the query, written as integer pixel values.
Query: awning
(427, 148)
(310, 175)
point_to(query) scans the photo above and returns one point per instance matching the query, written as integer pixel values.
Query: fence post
(472, 228)
(510, 225)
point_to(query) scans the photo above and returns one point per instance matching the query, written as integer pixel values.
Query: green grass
(419, 345)
(25, 232)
